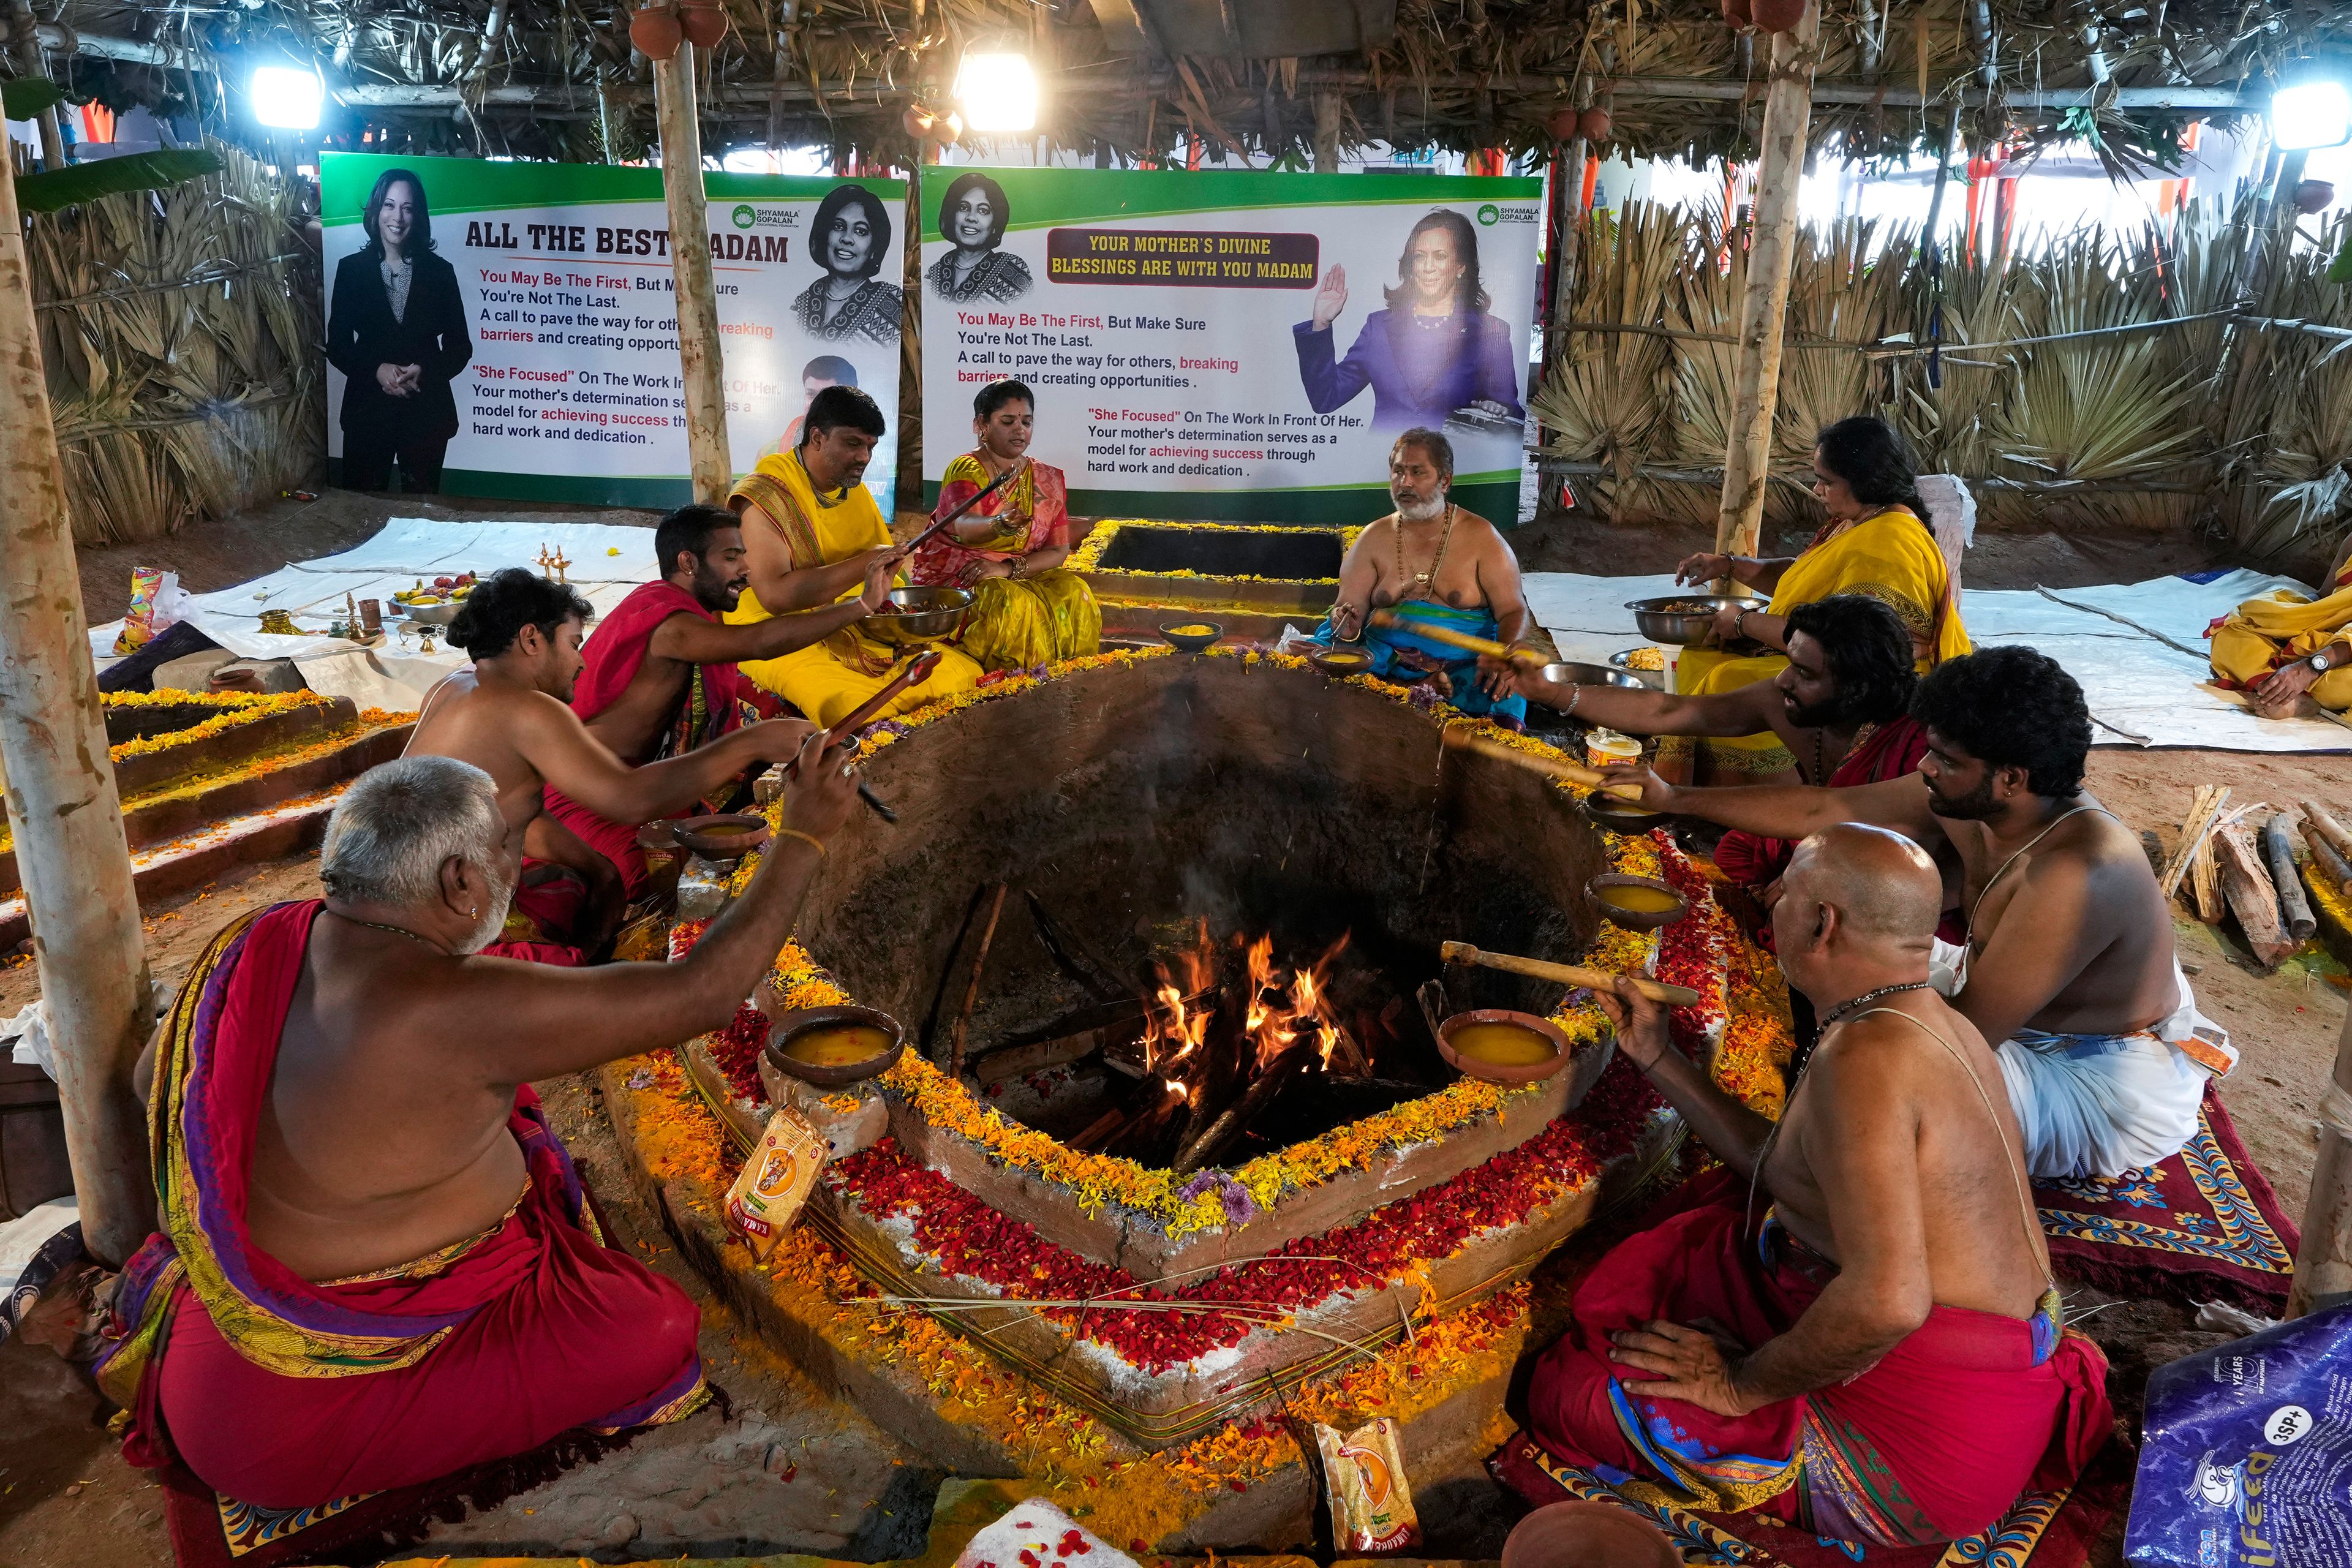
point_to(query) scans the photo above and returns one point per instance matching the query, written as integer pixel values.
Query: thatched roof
(1123, 78)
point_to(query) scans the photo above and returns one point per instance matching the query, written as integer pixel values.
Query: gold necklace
(1426, 581)
(396, 931)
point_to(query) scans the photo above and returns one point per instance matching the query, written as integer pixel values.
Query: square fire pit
(1270, 570)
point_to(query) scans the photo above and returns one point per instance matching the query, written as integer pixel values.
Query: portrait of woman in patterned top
(972, 217)
(851, 240)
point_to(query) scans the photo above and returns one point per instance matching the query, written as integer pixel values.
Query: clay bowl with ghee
(728, 838)
(1191, 637)
(1503, 1046)
(1341, 662)
(1636, 903)
(830, 1046)
(1611, 814)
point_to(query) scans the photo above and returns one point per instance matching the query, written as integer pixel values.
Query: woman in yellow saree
(1875, 543)
(1009, 550)
(2286, 646)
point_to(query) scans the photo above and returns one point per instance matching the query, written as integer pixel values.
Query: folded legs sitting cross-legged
(377, 1265)
(1856, 1329)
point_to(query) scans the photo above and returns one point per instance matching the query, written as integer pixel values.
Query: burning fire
(1279, 1008)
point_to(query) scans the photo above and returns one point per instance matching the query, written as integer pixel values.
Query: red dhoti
(1933, 1443)
(288, 1392)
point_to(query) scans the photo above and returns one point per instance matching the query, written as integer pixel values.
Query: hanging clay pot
(1736, 13)
(1777, 16)
(1593, 125)
(1562, 124)
(948, 129)
(919, 124)
(655, 33)
(2314, 196)
(704, 22)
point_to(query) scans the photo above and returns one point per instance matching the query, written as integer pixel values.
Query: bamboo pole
(1327, 133)
(2323, 1263)
(61, 801)
(1568, 973)
(1772, 244)
(29, 64)
(698, 299)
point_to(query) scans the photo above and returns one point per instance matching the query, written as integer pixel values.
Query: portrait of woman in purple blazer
(1434, 354)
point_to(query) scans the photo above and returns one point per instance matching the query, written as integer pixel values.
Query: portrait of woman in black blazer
(396, 328)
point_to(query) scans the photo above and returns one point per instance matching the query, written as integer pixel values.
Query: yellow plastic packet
(767, 1197)
(139, 620)
(1371, 1504)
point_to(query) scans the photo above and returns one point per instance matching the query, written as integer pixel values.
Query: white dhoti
(2100, 1105)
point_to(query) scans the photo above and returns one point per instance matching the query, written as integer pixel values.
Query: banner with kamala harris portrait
(518, 321)
(1233, 345)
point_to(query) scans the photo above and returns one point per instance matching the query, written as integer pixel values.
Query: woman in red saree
(1030, 609)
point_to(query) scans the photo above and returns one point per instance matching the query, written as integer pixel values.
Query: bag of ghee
(139, 620)
(1372, 1506)
(775, 1181)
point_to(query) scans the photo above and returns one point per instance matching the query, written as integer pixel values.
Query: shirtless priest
(2067, 957)
(660, 679)
(1437, 567)
(507, 715)
(1870, 1348)
(375, 1264)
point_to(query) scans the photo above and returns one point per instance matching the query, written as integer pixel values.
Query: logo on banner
(1488, 213)
(746, 216)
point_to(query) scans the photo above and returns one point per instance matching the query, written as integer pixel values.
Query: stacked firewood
(2241, 860)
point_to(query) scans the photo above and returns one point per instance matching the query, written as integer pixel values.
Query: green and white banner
(573, 389)
(1233, 345)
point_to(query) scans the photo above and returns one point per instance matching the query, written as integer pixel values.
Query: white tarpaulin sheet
(2136, 647)
(607, 560)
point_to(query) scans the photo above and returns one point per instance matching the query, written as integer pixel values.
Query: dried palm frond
(1606, 394)
(180, 333)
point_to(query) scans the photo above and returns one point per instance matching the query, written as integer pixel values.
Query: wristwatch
(2322, 661)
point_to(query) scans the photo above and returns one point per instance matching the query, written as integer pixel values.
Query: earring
(474, 913)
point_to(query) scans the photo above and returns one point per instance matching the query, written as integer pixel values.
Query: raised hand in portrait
(1330, 298)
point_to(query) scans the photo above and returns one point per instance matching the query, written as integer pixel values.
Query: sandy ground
(795, 1470)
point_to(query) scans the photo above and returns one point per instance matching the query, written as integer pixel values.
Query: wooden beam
(1092, 82)
(61, 792)
(29, 64)
(1772, 247)
(698, 300)
(2323, 1263)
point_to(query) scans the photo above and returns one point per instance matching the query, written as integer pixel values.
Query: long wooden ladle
(1567, 974)
(1524, 657)
(1463, 738)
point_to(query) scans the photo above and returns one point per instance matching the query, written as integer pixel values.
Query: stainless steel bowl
(1668, 619)
(1591, 675)
(439, 614)
(1655, 680)
(918, 615)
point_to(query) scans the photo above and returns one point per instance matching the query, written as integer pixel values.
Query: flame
(1278, 1008)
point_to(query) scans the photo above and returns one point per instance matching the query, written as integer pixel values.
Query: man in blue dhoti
(1438, 569)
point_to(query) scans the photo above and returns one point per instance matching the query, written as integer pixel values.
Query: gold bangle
(814, 843)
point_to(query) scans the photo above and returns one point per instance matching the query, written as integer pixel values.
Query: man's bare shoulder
(1870, 1067)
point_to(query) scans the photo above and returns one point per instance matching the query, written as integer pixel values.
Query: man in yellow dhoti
(810, 532)
(2283, 646)
(1875, 543)
(1030, 609)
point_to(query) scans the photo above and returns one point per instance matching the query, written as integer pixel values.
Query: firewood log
(2246, 886)
(2278, 850)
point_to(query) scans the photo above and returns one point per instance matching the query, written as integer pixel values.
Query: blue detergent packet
(2246, 1453)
